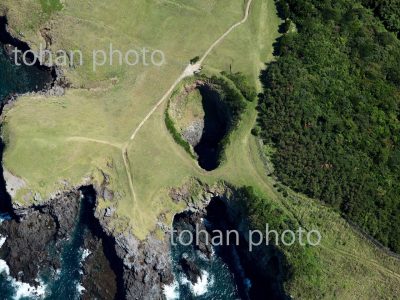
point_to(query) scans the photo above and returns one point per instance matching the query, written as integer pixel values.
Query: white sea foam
(2, 240)
(201, 255)
(85, 254)
(80, 288)
(171, 292)
(4, 267)
(202, 284)
(22, 289)
(25, 290)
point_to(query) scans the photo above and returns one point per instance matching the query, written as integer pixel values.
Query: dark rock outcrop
(56, 81)
(120, 267)
(99, 277)
(193, 222)
(191, 270)
(26, 249)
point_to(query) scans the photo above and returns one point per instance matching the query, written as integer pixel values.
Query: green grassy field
(55, 143)
(97, 108)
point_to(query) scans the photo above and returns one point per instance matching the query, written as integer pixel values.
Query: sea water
(19, 79)
(217, 280)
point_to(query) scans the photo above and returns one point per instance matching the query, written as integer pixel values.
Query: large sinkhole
(216, 127)
(200, 116)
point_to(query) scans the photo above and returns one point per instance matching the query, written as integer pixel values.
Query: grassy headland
(55, 143)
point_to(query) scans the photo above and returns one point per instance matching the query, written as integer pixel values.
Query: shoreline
(57, 82)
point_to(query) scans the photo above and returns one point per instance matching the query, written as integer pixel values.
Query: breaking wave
(171, 292)
(20, 289)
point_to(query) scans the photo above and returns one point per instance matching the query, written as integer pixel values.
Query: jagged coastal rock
(147, 266)
(133, 269)
(26, 247)
(120, 266)
(192, 271)
(220, 208)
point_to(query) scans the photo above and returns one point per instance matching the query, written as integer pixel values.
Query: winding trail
(190, 70)
(128, 172)
(85, 139)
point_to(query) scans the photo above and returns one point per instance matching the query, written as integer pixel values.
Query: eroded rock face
(26, 249)
(99, 280)
(263, 267)
(34, 244)
(193, 133)
(147, 266)
(118, 267)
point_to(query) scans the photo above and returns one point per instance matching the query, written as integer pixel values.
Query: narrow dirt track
(85, 139)
(189, 71)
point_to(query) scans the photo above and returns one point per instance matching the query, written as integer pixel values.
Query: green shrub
(242, 82)
(50, 6)
(194, 60)
(176, 135)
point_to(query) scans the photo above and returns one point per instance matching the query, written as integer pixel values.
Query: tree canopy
(330, 107)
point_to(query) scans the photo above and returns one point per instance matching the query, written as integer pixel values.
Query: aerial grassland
(82, 132)
(83, 137)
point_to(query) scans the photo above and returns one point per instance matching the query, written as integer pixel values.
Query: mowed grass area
(249, 47)
(56, 143)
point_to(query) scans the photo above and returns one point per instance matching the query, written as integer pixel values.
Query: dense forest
(388, 11)
(331, 109)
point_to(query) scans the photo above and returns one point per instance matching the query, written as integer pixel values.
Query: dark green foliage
(176, 135)
(286, 26)
(256, 131)
(194, 60)
(231, 96)
(283, 9)
(50, 6)
(331, 107)
(242, 82)
(388, 11)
